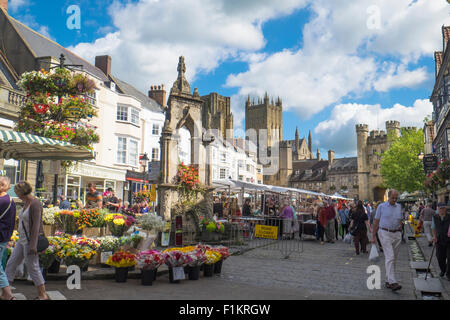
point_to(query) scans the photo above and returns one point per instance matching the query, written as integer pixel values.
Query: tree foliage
(401, 167)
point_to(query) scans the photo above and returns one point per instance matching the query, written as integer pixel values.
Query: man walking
(426, 216)
(441, 229)
(388, 224)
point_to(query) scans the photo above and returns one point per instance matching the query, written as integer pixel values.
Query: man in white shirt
(388, 223)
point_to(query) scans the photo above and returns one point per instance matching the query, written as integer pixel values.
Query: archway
(379, 194)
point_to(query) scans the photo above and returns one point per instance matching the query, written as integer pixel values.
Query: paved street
(331, 271)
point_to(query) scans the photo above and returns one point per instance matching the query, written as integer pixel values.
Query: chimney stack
(330, 157)
(445, 36)
(104, 64)
(4, 4)
(158, 93)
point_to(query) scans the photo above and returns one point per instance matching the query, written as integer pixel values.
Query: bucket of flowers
(48, 257)
(176, 260)
(10, 246)
(122, 261)
(67, 221)
(149, 261)
(77, 251)
(118, 223)
(225, 253)
(211, 258)
(108, 245)
(198, 257)
(91, 222)
(49, 220)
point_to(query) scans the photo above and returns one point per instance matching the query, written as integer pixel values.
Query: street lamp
(144, 160)
(420, 156)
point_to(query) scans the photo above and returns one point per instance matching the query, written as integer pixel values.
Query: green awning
(25, 146)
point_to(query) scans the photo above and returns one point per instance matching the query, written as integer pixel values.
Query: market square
(232, 151)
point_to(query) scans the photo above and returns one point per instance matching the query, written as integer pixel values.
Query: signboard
(430, 163)
(266, 232)
(153, 193)
(178, 273)
(154, 170)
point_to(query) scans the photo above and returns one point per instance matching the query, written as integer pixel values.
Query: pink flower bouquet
(150, 259)
(176, 259)
(198, 257)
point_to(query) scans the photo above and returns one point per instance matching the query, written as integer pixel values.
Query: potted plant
(122, 261)
(149, 262)
(175, 259)
(77, 251)
(48, 257)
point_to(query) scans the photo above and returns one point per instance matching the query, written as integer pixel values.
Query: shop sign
(178, 273)
(266, 232)
(430, 163)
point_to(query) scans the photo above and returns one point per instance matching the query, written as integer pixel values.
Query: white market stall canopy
(235, 185)
(25, 146)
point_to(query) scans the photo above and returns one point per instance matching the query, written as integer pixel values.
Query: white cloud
(206, 32)
(341, 53)
(14, 5)
(338, 132)
(397, 76)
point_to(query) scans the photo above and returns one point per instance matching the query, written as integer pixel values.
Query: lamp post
(144, 161)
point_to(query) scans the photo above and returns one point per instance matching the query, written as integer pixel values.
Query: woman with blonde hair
(7, 221)
(30, 227)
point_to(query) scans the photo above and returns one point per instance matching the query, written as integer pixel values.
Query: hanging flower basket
(40, 108)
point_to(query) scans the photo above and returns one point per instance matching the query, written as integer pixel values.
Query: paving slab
(430, 285)
(421, 265)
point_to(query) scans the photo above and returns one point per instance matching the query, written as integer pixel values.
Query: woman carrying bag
(30, 229)
(7, 221)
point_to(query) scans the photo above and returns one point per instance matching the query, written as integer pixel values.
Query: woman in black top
(360, 220)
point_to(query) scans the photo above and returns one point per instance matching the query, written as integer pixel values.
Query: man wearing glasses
(388, 224)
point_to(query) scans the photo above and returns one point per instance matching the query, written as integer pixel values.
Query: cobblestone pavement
(435, 270)
(329, 271)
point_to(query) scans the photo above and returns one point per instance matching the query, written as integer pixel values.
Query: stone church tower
(370, 146)
(216, 114)
(302, 150)
(265, 115)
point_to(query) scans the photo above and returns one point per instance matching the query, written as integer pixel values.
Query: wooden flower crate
(49, 230)
(93, 232)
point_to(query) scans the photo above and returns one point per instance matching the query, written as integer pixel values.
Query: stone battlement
(362, 127)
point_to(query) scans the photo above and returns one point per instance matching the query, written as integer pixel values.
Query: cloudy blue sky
(334, 63)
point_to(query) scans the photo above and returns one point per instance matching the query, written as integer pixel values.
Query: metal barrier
(268, 233)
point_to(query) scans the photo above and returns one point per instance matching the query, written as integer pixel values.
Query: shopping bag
(348, 238)
(374, 256)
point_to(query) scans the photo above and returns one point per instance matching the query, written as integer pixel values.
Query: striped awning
(25, 146)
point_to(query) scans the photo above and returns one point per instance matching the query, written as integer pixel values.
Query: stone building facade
(370, 147)
(438, 134)
(265, 115)
(216, 114)
(342, 177)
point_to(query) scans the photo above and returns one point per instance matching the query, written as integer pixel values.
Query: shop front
(135, 182)
(76, 179)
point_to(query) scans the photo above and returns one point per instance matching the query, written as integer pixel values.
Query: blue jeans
(3, 278)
